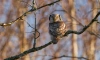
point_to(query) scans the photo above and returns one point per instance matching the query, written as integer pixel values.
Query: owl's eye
(60, 17)
(50, 17)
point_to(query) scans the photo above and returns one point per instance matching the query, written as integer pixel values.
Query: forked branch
(26, 13)
(41, 47)
(85, 27)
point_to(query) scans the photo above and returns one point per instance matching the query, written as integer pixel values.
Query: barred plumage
(57, 28)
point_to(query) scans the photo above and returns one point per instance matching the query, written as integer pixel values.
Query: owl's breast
(57, 28)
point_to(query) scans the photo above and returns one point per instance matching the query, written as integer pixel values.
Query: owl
(57, 28)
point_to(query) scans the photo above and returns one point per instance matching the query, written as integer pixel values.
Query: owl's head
(54, 18)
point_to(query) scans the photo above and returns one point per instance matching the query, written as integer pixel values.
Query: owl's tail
(55, 40)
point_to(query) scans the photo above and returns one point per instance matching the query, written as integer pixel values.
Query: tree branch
(85, 27)
(25, 14)
(41, 47)
(68, 57)
(28, 51)
(20, 18)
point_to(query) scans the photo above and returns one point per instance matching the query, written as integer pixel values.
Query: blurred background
(76, 14)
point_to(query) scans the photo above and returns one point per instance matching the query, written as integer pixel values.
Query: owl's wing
(57, 28)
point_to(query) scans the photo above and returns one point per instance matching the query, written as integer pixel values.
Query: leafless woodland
(24, 30)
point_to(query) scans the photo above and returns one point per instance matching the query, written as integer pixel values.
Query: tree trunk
(74, 27)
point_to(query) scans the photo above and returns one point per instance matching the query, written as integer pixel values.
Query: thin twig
(85, 27)
(69, 57)
(34, 7)
(33, 31)
(41, 47)
(26, 13)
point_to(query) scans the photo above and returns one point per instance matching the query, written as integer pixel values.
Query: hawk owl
(57, 27)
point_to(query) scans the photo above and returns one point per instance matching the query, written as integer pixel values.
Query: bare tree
(24, 33)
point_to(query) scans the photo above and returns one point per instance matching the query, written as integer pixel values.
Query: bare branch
(34, 44)
(26, 13)
(28, 51)
(85, 27)
(33, 32)
(68, 57)
(20, 18)
(41, 47)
